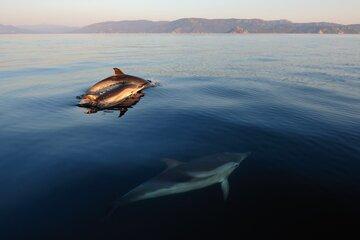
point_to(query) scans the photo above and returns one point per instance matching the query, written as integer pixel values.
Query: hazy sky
(82, 12)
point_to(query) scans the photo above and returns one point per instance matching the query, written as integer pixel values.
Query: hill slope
(45, 28)
(200, 25)
(8, 29)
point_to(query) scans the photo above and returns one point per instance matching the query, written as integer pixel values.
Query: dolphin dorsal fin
(171, 163)
(118, 72)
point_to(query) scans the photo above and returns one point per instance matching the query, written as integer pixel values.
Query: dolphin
(180, 177)
(119, 78)
(111, 98)
(123, 106)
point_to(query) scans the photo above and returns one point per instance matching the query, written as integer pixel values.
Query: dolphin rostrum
(182, 177)
(118, 78)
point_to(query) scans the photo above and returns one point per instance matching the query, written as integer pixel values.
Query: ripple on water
(290, 100)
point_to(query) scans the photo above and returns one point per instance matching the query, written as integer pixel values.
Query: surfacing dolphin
(118, 78)
(182, 177)
(123, 106)
(111, 98)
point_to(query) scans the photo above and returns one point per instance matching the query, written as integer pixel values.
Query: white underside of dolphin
(184, 177)
(188, 186)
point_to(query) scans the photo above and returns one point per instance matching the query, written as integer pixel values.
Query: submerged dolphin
(118, 78)
(183, 177)
(111, 98)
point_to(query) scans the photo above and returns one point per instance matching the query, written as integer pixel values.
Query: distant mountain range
(45, 28)
(8, 29)
(36, 29)
(193, 25)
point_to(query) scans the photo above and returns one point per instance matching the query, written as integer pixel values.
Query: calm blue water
(292, 100)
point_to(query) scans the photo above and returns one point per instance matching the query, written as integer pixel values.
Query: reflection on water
(292, 100)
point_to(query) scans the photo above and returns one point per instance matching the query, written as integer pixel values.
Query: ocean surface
(292, 100)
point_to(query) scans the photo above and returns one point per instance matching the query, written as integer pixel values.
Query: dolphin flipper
(225, 188)
(122, 112)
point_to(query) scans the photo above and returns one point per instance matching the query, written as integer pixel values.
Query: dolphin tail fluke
(225, 188)
(124, 200)
(113, 209)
